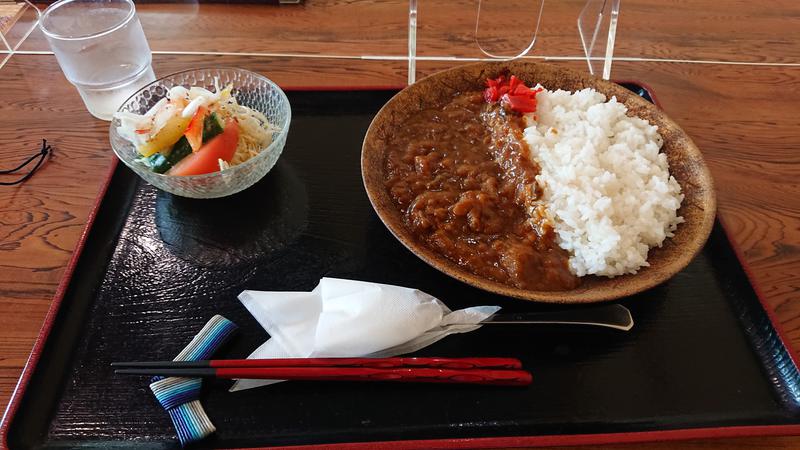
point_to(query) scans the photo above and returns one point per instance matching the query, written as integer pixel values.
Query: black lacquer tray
(703, 359)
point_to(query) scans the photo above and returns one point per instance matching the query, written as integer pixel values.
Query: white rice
(608, 188)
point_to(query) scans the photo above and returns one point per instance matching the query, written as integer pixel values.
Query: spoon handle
(613, 316)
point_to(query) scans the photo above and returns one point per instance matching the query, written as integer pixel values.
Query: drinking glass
(102, 50)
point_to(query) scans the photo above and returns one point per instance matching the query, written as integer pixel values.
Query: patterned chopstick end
(180, 396)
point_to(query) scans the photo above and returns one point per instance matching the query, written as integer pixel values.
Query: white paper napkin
(341, 318)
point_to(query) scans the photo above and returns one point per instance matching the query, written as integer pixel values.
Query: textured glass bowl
(251, 90)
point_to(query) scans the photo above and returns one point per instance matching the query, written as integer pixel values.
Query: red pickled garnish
(512, 92)
(520, 103)
(491, 95)
(496, 82)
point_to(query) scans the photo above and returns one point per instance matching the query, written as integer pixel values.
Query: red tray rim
(446, 443)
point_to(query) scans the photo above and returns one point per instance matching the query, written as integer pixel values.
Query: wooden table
(729, 73)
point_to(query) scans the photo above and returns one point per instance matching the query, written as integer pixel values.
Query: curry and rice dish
(533, 188)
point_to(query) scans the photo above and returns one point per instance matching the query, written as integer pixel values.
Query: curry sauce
(461, 176)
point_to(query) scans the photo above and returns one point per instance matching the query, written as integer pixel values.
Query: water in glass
(101, 47)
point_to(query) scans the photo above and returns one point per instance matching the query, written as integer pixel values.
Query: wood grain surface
(744, 118)
(734, 30)
(9, 13)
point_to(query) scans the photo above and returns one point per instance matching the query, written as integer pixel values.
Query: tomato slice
(194, 132)
(206, 160)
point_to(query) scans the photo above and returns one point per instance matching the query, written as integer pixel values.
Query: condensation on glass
(101, 48)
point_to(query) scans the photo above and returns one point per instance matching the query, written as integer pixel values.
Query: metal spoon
(613, 316)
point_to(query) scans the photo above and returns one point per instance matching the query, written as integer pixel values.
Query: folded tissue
(347, 318)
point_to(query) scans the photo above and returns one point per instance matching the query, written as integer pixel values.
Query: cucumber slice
(160, 163)
(157, 163)
(179, 151)
(212, 126)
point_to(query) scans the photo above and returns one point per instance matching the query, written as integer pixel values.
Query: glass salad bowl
(250, 89)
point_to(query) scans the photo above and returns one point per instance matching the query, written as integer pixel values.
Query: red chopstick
(417, 375)
(379, 363)
(488, 371)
